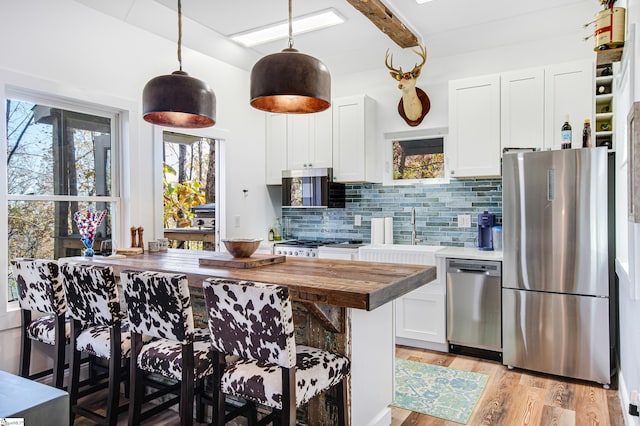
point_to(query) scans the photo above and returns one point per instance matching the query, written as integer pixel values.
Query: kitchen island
(339, 305)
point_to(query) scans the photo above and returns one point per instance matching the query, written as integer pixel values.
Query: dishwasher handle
(479, 267)
(471, 271)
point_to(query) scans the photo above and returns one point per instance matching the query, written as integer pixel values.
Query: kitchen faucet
(414, 240)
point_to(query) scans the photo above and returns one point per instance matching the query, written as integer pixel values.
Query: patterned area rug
(442, 392)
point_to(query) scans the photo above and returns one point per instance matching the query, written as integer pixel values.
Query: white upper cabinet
(516, 109)
(354, 150)
(276, 148)
(473, 148)
(568, 91)
(522, 109)
(310, 140)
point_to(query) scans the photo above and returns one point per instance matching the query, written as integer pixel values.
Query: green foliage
(179, 198)
(426, 166)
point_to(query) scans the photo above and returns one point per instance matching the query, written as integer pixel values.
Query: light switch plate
(357, 219)
(464, 221)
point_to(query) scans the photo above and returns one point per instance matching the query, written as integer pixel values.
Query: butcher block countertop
(341, 283)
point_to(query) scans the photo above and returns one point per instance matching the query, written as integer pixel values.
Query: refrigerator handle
(551, 184)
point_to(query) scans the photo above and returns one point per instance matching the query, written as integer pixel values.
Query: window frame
(433, 133)
(9, 311)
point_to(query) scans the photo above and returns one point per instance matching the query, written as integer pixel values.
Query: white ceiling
(446, 27)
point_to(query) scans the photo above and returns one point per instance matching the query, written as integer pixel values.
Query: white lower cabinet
(420, 316)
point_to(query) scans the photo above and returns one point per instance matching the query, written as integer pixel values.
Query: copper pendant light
(177, 99)
(290, 82)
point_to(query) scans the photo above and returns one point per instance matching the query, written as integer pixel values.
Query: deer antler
(423, 54)
(388, 61)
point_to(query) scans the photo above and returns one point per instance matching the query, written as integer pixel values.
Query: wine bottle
(586, 134)
(565, 134)
(277, 230)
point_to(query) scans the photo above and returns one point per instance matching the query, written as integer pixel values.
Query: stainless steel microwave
(311, 188)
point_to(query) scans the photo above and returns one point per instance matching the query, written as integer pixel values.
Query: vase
(88, 244)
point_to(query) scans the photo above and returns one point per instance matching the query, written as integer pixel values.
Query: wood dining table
(339, 305)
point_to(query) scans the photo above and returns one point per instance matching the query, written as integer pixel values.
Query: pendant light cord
(290, 28)
(180, 33)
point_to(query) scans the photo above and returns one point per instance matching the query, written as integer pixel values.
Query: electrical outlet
(236, 221)
(358, 220)
(464, 221)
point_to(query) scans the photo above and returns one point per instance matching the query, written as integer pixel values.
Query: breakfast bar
(339, 305)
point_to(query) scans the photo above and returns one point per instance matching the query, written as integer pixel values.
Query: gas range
(298, 248)
(303, 248)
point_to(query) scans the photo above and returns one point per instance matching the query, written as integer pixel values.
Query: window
(60, 159)
(418, 159)
(189, 190)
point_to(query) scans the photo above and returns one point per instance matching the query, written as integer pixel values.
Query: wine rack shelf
(602, 128)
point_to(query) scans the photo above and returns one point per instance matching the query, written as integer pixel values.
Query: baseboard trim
(414, 343)
(382, 419)
(624, 394)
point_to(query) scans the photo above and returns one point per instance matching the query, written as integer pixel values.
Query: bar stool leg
(74, 371)
(135, 377)
(115, 365)
(59, 354)
(25, 347)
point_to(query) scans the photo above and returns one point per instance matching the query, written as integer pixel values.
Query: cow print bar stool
(97, 328)
(159, 305)
(40, 290)
(255, 322)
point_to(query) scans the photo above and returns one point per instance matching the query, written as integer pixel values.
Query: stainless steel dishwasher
(474, 308)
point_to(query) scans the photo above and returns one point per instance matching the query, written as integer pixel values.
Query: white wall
(65, 49)
(630, 279)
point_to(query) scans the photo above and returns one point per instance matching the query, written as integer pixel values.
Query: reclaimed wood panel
(342, 283)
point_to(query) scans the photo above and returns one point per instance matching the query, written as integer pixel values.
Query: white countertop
(469, 253)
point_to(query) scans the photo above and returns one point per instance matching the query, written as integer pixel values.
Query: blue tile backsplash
(437, 209)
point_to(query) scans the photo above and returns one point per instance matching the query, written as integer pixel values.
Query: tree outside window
(58, 162)
(189, 175)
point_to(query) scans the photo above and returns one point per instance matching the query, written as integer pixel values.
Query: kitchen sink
(400, 253)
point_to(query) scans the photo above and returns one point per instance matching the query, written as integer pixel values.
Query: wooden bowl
(241, 247)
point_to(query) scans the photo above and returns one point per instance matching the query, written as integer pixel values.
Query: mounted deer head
(414, 104)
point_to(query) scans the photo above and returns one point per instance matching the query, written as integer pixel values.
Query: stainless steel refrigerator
(556, 281)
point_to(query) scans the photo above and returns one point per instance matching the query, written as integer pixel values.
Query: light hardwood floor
(511, 397)
(518, 397)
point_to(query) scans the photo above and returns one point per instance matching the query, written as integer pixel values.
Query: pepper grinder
(134, 238)
(140, 240)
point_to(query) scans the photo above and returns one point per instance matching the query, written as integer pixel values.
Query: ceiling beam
(386, 21)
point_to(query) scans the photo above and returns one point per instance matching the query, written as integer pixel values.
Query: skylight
(302, 24)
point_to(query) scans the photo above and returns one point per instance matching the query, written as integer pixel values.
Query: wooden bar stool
(40, 289)
(159, 305)
(255, 322)
(97, 328)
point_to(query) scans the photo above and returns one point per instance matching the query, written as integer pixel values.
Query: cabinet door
(522, 109)
(474, 127)
(322, 137)
(276, 148)
(310, 140)
(348, 140)
(299, 140)
(568, 91)
(420, 315)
